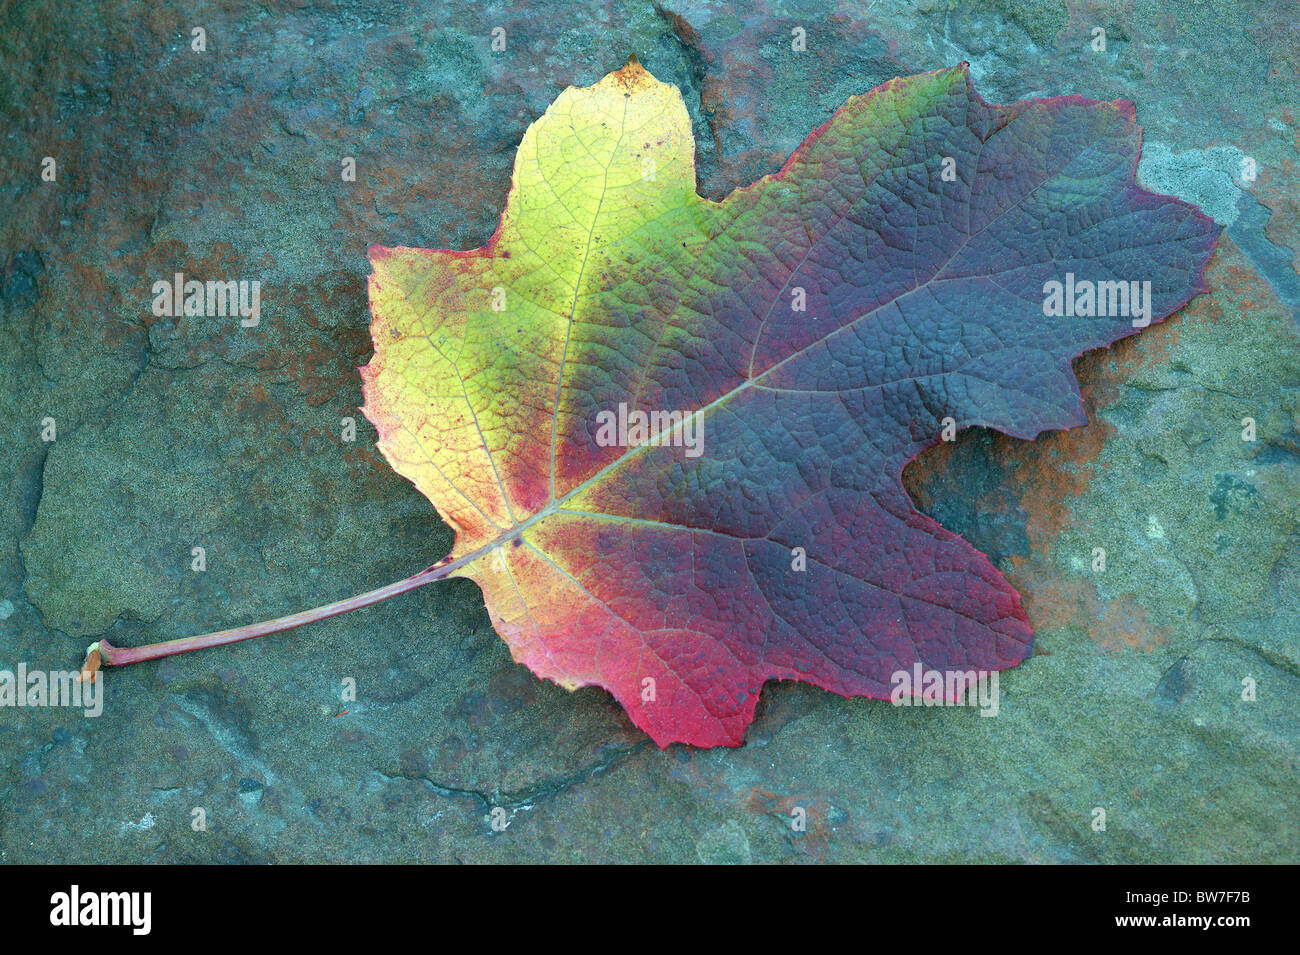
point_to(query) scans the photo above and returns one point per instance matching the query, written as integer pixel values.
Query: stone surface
(177, 433)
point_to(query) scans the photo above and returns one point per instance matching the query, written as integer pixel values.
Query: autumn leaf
(791, 349)
(670, 433)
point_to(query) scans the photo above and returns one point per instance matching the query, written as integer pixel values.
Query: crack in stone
(697, 59)
(528, 797)
(1272, 658)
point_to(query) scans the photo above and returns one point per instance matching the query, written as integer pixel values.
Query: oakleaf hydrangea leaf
(670, 433)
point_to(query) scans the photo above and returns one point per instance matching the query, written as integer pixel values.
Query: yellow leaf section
(472, 348)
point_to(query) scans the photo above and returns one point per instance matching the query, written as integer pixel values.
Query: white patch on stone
(146, 822)
(1207, 177)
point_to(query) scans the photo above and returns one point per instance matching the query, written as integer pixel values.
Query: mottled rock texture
(176, 433)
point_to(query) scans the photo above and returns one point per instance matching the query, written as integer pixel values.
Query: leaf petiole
(103, 653)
